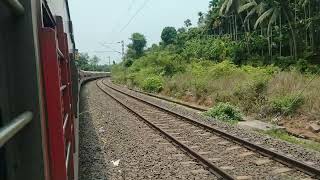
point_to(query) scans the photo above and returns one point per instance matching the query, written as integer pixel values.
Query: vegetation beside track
(87, 63)
(263, 63)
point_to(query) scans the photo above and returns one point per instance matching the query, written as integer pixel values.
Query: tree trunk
(280, 19)
(261, 33)
(307, 29)
(235, 27)
(293, 34)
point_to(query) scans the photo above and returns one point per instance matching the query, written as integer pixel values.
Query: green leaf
(263, 17)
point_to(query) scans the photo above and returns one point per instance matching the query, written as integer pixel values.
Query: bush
(214, 49)
(251, 94)
(153, 84)
(286, 104)
(225, 111)
(223, 69)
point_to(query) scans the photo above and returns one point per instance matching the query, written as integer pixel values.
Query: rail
(15, 6)
(291, 162)
(212, 168)
(10, 130)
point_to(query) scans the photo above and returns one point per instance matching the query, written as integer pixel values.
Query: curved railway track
(194, 107)
(226, 156)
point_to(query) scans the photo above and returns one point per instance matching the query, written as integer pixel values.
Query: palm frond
(273, 19)
(230, 3)
(223, 7)
(250, 13)
(263, 17)
(247, 6)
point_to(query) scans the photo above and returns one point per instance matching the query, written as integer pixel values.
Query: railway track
(194, 107)
(226, 156)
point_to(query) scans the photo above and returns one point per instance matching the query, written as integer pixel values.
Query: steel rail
(11, 129)
(171, 100)
(301, 166)
(212, 168)
(15, 6)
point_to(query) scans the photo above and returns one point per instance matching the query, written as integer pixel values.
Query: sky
(107, 22)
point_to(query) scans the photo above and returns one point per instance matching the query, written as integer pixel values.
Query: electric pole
(122, 49)
(109, 60)
(122, 45)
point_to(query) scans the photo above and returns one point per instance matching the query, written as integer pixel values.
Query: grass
(262, 92)
(280, 134)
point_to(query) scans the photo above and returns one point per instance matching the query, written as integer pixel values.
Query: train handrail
(15, 6)
(12, 128)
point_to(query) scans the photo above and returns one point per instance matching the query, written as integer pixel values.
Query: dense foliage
(257, 55)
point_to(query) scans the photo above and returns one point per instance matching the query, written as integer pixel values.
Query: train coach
(39, 85)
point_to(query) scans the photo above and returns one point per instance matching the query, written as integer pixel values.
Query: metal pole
(8, 131)
(15, 6)
(122, 43)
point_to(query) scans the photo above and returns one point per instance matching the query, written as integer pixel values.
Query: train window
(48, 20)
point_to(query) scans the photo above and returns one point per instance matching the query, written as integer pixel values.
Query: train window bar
(15, 6)
(66, 118)
(68, 156)
(60, 53)
(11, 129)
(62, 88)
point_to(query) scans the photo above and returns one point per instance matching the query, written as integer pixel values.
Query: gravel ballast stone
(109, 134)
(235, 161)
(291, 150)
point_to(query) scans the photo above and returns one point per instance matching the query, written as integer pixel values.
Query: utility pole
(109, 60)
(122, 45)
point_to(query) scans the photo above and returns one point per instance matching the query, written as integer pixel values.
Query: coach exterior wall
(22, 156)
(60, 8)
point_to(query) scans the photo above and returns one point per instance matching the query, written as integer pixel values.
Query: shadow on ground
(92, 164)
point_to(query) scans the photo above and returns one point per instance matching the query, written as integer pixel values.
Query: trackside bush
(286, 104)
(152, 84)
(225, 112)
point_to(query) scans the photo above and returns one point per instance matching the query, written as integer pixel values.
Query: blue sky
(102, 20)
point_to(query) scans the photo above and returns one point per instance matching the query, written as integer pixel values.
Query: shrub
(251, 94)
(152, 84)
(119, 73)
(128, 63)
(286, 104)
(225, 111)
(222, 69)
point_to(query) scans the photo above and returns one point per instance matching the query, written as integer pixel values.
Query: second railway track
(226, 156)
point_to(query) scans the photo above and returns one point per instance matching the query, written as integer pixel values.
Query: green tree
(201, 19)
(279, 9)
(137, 45)
(187, 23)
(87, 63)
(83, 61)
(94, 60)
(169, 35)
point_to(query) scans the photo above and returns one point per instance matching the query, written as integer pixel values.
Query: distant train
(39, 89)
(83, 75)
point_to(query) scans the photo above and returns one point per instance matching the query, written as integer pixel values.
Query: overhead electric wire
(137, 12)
(131, 4)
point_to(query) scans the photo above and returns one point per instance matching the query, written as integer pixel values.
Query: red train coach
(38, 91)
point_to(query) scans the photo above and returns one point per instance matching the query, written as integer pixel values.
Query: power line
(137, 12)
(131, 4)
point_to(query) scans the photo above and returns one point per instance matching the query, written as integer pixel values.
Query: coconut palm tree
(230, 8)
(278, 9)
